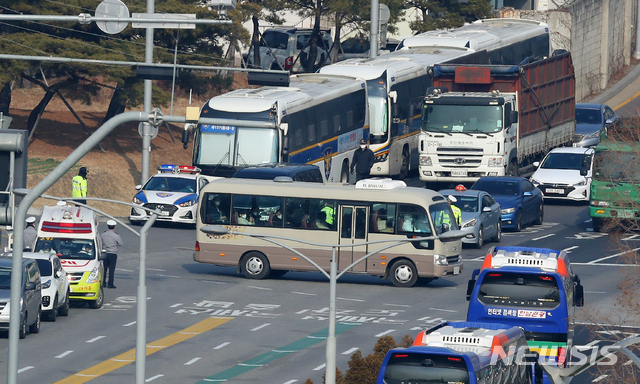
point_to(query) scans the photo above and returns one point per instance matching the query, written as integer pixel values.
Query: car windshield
(170, 184)
(422, 368)
(531, 290)
(45, 267)
(467, 203)
(5, 278)
(70, 249)
(498, 187)
(588, 116)
(564, 161)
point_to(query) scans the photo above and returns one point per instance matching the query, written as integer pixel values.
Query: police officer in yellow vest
(79, 185)
(329, 212)
(457, 213)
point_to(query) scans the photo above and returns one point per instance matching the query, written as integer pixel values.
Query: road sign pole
(146, 135)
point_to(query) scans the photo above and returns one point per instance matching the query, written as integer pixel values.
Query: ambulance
(72, 233)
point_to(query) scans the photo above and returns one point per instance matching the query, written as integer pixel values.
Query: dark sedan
(590, 120)
(521, 202)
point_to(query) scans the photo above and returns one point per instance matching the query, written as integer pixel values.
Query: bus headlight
(495, 162)
(426, 161)
(381, 157)
(93, 276)
(508, 210)
(440, 260)
(470, 223)
(599, 203)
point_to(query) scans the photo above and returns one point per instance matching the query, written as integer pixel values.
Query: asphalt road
(209, 324)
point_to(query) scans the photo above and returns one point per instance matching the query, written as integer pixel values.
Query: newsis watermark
(579, 356)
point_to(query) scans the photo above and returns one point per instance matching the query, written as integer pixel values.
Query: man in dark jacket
(362, 161)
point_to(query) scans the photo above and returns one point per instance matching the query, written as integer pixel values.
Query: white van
(72, 233)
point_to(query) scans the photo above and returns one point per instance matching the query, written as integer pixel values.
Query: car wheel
(23, 327)
(97, 303)
(404, 273)
(518, 223)
(255, 265)
(498, 237)
(64, 310)
(480, 242)
(35, 327)
(597, 224)
(51, 315)
(540, 217)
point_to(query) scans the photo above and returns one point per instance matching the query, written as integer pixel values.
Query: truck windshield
(462, 118)
(519, 289)
(419, 368)
(616, 167)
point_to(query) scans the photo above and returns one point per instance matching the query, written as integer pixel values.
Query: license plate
(625, 213)
(532, 314)
(165, 213)
(554, 190)
(459, 173)
(456, 270)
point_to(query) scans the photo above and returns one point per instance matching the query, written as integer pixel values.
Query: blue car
(521, 202)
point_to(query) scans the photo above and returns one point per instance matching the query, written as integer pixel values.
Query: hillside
(114, 173)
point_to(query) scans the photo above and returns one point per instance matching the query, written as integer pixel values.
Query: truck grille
(459, 157)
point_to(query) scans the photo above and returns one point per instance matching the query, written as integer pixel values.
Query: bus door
(353, 230)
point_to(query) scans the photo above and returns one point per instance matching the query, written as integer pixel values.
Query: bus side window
(216, 208)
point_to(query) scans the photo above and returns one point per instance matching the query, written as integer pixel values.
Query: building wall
(599, 34)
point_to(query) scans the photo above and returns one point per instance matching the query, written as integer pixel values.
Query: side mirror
(584, 172)
(527, 194)
(513, 117)
(284, 127)
(393, 95)
(138, 187)
(578, 296)
(30, 286)
(185, 139)
(486, 209)
(470, 285)
(536, 164)
(58, 273)
(103, 255)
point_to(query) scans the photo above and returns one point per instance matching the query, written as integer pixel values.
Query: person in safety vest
(457, 213)
(79, 185)
(329, 213)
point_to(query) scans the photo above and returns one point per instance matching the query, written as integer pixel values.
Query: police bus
(373, 209)
(462, 352)
(398, 81)
(318, 119)
(533, 288)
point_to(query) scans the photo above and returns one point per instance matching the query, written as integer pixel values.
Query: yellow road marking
(153, 347)
(626, 101)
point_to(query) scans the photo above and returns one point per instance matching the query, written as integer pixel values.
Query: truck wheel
(597, 224)
(540, 217)
(404, 274)
(35, 327)
(97, 304)
(512, 169)
(255, 265)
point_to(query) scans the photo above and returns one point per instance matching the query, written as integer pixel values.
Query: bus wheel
(255, 266)
(406, 163)
(344, 174)
(403, 273)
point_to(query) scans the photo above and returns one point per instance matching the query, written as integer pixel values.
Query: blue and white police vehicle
(173, 191)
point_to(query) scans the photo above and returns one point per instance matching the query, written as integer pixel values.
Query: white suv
(285, 48)
(55, 285)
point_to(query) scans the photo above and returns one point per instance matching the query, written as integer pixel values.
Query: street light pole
(330, 374)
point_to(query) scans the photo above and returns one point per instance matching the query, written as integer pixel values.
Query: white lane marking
(594, 292)
(632, 237)
(222, 345)
(260, 327)
(171, 276)
(319, 367)
(304, 293)
(479, 258)
(128, 324)
(263, 288)
(568, 250)
(587, 346)
(213, 282)
(293, 381)
(63, 354)
(599, 378)
(607, 325)
(301, 312)
(344, 298)
(153, 378)
(156, 269)
(192, 360)
(607, 264)
(24, 369)
(543, 237)
(175, 305)
(95, 339)
(385, 333)
(612, 256)
(398, 305)
(125, 270)
(445, 310)
(416, 328)
(350, 351)
(437, 319)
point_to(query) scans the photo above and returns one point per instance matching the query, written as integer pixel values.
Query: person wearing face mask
(362, 161)
(243, 219)
(217, 213)
(407, 224)
(277, 219)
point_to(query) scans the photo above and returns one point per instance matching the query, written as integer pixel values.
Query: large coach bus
(373, 209)
(397, 82)
(320, 118)
(533, 288)
(462, 352)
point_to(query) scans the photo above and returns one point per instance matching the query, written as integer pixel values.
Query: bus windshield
(470, 119)
(378, 110)
(519, 289)
(242, 146)
(617, 167)
(419, 368)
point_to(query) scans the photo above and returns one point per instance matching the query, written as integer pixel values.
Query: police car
(173, 191)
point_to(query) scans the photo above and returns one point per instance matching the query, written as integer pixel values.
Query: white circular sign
(112, 8)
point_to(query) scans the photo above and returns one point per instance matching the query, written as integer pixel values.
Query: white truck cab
(72, 233)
